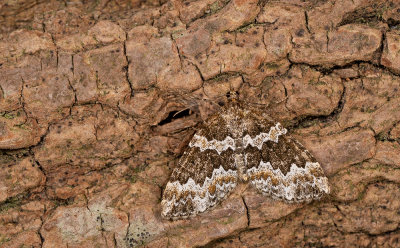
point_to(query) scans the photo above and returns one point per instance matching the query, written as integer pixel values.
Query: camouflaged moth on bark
(241, 145)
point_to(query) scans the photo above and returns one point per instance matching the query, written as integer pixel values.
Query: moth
(237, 145)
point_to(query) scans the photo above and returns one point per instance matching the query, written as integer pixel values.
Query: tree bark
(98, 99)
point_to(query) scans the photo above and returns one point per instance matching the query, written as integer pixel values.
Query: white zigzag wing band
(201, 196)
(299, 184)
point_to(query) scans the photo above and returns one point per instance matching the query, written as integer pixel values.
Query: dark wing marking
(284, 169)
(206, 174)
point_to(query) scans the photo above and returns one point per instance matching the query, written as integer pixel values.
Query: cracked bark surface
(99, 98)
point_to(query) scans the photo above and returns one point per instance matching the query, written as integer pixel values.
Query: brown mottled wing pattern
(205, 174)
(246, 144)
(284, 169)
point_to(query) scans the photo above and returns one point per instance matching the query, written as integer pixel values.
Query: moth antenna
(180, 111)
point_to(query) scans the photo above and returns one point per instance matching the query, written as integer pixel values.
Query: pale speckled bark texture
(99, 98)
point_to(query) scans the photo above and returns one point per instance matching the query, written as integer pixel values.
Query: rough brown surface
(98, 99)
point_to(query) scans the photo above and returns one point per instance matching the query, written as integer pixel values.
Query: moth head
(233, 96)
